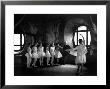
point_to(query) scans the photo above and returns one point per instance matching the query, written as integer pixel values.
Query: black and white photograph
(55, 44)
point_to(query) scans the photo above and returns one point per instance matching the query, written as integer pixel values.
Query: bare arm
(75, 48)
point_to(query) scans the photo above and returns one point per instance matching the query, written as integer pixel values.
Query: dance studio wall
(54, 28)
(72, 25)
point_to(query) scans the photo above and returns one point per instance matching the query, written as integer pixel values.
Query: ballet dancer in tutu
(52, 52)
(81, 55)
(29, 56)
(58, 54)
(47, 55)
(41, 54)
(35, 54)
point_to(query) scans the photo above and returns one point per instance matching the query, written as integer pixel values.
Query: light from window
(22, 39)
(84, 34)
(17, 41)
(75, 38)
(16, 47)
(89, 38)
(82, 28)
(68, 40)
(81, 35)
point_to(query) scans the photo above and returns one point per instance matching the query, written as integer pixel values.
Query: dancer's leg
(42, 61)
(33, 64)
(28, 63)
(81, 67)
(78, 68)
(57, 60)
(52, 60)
(48, 58)
(34, 61)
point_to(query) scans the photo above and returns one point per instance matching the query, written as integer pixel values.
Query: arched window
(82, 28)
(18, 41)
(81, 32)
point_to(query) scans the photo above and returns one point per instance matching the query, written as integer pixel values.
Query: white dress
(41, 52)
(52, 51)
(58, 54)
(29, 56)
(47, 53)
(35, 54)
(81, 54)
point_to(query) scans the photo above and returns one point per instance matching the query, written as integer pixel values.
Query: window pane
(75, 38)
(22, 39)
(89, 38)
(81, 35)
(16, 39)
(16, 47)
(82, 28)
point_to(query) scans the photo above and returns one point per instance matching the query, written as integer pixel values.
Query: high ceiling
(44, 19)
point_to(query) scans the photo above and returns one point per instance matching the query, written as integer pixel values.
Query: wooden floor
(56, 70)
(66, 69)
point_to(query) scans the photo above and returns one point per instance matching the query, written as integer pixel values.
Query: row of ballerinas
(38, 53)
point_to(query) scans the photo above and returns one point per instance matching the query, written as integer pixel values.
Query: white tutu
(47, 54)
(35, 55)
(81, 54)
(58, 54)
(41, 54)
(52, 51)
(79, 59)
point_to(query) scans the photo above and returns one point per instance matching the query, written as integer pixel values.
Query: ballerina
(48, 55)
(41, 54)
(52, 52)
(35, 54)
(29, 56)
(58, 54)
